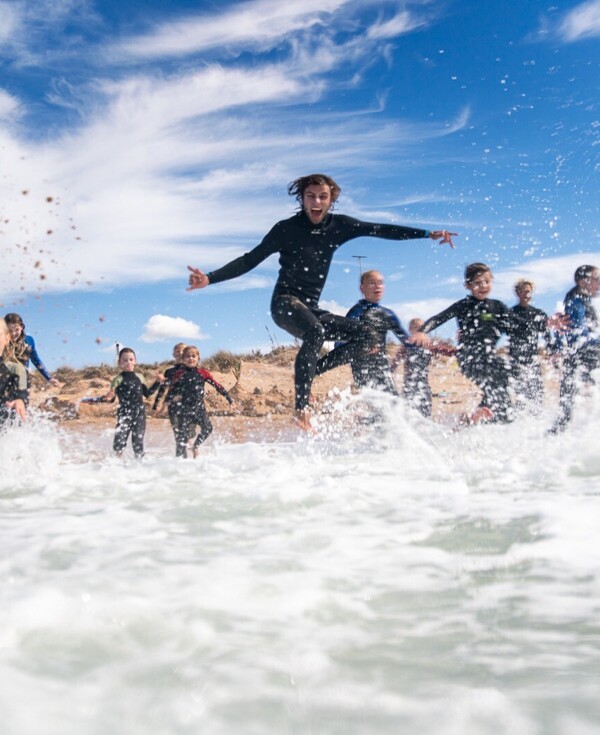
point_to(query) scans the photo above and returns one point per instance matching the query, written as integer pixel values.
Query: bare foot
(302, 419)
(482, 415)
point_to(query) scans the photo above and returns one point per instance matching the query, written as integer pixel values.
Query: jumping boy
(306, 244)
(481, 323)
(186, 401)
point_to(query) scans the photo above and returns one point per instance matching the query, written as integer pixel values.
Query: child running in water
(21, 347)
(582, 354)
(186, 401)
(162, 383)
(131, 389)
(417, 361)
(13, 382)
(528, 324)
(481, 323)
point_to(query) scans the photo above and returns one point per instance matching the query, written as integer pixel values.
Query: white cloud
(581, 22)
(258, 24)
(9, 105)
(160, 328)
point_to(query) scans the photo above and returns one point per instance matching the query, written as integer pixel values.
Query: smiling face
(15, 331)
(480, 286)
(191, 357)
(127, 362)
(524, 294)
(316, 202)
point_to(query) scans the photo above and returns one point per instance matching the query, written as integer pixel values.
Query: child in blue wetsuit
(21, 347)
(582, 349)
(372, 369)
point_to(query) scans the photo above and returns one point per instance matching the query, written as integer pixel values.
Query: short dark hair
(474, 270)
(298, 186)
(584, 271)
(124, 350)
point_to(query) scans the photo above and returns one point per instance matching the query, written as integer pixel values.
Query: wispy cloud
(581, 22)
(162, 170)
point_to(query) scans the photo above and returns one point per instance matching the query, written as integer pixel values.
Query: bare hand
(197, 279)
(18, 407)
(559, 322)
(444, 237)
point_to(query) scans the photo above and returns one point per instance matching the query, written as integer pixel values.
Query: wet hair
(584, 271)
(298, 186)
(125, 350)
(474, 270)
(368, 274)
(521, 283)
(191, 348)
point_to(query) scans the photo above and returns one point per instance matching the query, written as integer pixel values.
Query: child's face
(15, 331)
(127, 362)
(373, 288)
(591, 284)
(524, 294)
(190, 359)
(414, 325)
(178, 353)
(481, 286)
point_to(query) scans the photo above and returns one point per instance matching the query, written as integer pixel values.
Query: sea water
(395, 577)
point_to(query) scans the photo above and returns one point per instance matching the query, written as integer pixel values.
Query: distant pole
(360, 259)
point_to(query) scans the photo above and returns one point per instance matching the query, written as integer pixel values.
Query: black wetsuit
(305, 254)
(131, 390)
(417, 361)
(373, 369)
(13, 386)
(582, 352)
(528, 324)
(481, 324)
(186, 405)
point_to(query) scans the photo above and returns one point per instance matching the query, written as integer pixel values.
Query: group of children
(183, 384)
(481, 323)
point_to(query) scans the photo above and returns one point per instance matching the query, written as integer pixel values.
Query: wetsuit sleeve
(396, 327)
(36, 359)
(145, 388)
(245, 263)
(217, 386)
(444, 316)
(358, 228)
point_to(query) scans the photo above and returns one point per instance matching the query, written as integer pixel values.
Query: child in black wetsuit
(528, 324)
(131, 389)
(186, 401)
(417, 361)
(161, 386)
(13, 382)
(481, 323)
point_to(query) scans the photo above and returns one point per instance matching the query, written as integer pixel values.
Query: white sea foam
(401, 577)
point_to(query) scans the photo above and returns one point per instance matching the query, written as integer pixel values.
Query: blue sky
(138, 137)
